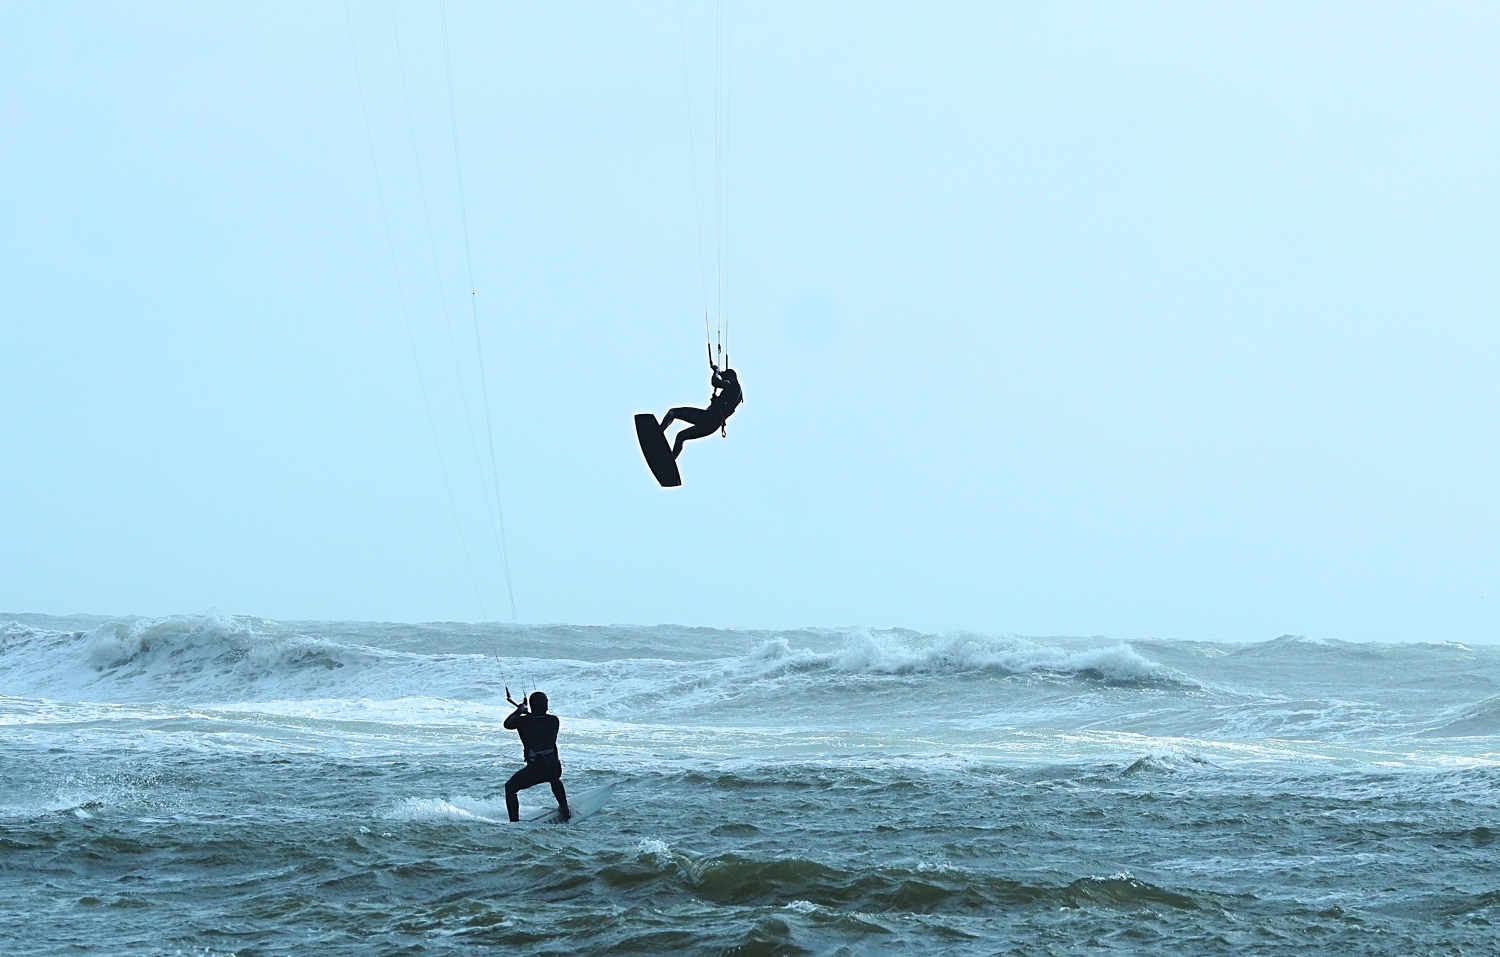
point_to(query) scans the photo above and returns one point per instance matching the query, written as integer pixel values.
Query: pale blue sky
(1124, 319)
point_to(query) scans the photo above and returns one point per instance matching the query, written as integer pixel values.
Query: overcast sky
(1122, 319)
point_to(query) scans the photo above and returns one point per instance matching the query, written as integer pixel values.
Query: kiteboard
(581, 805)
(656, 450)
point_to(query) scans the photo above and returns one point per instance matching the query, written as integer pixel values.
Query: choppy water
(228, 785)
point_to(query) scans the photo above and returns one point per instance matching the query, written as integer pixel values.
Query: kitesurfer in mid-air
(726, 398)
(538, 731)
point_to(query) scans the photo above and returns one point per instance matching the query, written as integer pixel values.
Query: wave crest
(214, 655)
(1480, 719)
(904, 653)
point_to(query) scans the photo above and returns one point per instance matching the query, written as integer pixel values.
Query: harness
(724, 408)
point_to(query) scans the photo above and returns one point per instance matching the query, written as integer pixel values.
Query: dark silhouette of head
(731, 375)
(538, 703)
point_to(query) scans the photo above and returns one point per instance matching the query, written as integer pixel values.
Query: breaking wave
(228, 658)
(203, 656)
(1287, 688)
(906, 654)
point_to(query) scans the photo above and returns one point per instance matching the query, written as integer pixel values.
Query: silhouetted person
(538, 731)
(727, 397)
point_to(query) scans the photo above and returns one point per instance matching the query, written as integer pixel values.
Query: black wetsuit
(539, 738)
(726, 399)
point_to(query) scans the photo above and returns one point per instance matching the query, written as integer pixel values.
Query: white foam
(243, 683)
(656, 850)
(866, 652)
(446, 809)
(217, 658)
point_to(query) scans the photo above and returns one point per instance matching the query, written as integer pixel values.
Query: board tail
(657, 452)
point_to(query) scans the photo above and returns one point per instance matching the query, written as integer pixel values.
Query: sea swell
(226, 658)
(227, 784)
(919, 887)
(193, 657)
(905, 653)
(966, 687)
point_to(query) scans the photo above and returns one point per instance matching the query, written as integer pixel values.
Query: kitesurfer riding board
(538, 731)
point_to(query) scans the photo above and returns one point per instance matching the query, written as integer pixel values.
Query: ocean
(213, 785)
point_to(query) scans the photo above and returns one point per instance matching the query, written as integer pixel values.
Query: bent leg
(687, 414)
(703, 421)
(529, 776)
(696, 432)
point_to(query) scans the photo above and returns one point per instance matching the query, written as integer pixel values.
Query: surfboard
(656, 450)
(581, 805)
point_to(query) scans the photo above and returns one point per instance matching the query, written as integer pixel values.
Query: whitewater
(215, 784)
